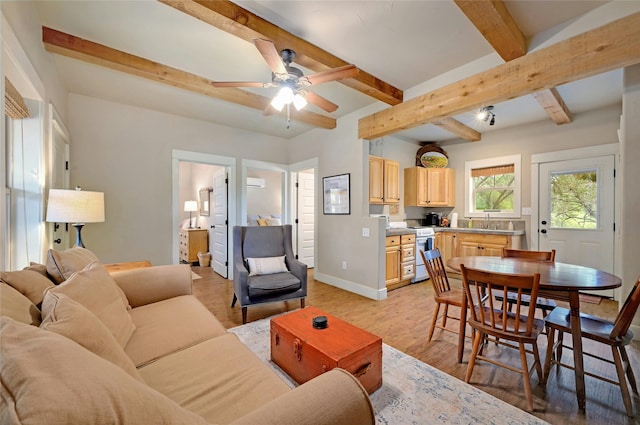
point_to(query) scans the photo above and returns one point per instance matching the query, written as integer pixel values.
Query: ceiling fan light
(277, 103)
(286, 95)
(299, 101)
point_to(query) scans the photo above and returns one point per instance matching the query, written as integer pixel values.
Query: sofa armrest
(151, 284)
(335, 398)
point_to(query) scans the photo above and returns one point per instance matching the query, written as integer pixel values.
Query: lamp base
(78, 227)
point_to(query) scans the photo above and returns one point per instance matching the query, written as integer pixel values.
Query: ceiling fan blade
(321, 102)
(347, 71)
(270, 54)
(220, 84)
(269, 110)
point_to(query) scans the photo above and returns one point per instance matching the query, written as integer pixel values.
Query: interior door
(577, 212)
(220, 223)
(59, 180)
(305, 218)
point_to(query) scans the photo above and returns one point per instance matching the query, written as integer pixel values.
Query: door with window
(576, 212)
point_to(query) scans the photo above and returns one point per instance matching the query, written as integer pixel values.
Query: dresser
(191, 242)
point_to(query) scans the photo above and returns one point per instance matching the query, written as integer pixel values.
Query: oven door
(423, 243)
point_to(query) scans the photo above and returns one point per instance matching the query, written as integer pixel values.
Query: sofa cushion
(168, 326)
(17, 306)
(62, 264)
(70, 319)
(266, 265)
(49, 379)
(236, 383)
(96, 290)
(40, 268)
(29, 283)
(271, 284)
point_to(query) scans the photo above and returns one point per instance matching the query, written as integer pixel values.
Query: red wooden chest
(304, 352)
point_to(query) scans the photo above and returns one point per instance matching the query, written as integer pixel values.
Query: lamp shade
(75, 206)
(191, 206)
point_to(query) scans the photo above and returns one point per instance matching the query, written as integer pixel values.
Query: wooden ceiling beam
(554, 106)
(611, 46)
(496, 25)
(235, 20)
(98, 54)
(456, 127)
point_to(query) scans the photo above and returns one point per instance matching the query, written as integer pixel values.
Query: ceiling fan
(291, 80)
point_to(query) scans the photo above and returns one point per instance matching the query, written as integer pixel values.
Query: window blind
(14, 106)
(493, 171)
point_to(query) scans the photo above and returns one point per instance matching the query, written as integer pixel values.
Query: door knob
(57, 240)
(544, 221)
(543, 231)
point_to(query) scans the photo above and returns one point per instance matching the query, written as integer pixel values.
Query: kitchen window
(493, 186)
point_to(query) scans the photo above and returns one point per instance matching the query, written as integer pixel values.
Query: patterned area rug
(412, 392)
(195, 276)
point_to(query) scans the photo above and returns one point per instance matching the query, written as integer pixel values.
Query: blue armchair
(260, 242)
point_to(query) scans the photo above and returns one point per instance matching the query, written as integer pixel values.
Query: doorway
(197, 173)
(576, 212)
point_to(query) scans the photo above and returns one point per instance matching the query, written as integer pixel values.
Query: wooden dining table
(559, 281)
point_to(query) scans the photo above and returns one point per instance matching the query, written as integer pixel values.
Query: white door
(576, 202)
(305, 218)
(220, 223)
(60, 180)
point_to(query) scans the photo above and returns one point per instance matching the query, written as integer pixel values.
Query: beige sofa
(137, 347)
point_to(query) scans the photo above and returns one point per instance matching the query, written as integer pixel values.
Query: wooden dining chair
(489, 321)
(443, 294)
(615, 334)
(545, 305)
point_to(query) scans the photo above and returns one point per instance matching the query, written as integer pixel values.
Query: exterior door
(305, 218)
(576, 212)
(220, 223)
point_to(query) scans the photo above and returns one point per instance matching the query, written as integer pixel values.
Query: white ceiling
(401, 42)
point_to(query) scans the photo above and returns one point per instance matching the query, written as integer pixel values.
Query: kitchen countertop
(480, 231)
(400, 231)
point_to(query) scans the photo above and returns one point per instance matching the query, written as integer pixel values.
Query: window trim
(516, 160)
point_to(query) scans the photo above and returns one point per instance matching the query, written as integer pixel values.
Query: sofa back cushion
(29, 283)
(72, 320)
(96, 290)
(17, 306)
(48, 379)
(62, 264)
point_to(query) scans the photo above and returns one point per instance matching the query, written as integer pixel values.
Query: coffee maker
(432, 219)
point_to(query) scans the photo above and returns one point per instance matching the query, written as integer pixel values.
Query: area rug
(195, 276)
(412, 392)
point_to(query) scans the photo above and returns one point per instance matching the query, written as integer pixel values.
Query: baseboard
(356, 288)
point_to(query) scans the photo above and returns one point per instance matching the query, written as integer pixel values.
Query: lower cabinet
(400, 260)
(460, 244)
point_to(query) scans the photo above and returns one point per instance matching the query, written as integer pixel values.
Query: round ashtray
(320, 322)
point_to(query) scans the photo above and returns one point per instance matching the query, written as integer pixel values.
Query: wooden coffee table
(304, 352)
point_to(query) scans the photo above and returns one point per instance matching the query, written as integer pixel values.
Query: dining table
(558, 281)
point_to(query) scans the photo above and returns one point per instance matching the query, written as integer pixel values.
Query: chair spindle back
(627, 312)
(548, 256)
(435, 269)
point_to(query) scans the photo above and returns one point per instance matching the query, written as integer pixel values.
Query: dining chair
(443, 293)
(615, 334)
(545, 305)
(489, 321)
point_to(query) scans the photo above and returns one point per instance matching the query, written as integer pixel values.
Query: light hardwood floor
(402, 320)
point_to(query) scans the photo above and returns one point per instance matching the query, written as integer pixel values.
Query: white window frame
(516, 160)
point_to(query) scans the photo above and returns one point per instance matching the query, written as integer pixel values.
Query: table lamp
(190, 207)
(76, 207)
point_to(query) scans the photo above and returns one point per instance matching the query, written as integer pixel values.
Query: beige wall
(266, 200)
(125, 152)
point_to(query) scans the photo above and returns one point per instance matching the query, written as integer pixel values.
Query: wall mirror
(204, 201)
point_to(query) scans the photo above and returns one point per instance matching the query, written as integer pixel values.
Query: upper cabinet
(429, 187)
(384, 181)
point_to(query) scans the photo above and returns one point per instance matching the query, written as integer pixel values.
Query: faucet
(487, 221)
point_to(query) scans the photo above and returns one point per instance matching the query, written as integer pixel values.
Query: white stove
(425, 237)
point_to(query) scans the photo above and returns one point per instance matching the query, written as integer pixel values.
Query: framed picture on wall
(204, 201)
(336, 194)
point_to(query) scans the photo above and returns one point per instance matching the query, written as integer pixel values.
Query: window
(493, 186)
(574, 200)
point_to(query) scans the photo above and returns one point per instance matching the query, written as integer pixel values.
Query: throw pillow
(70, 385)
(262, 222)
(15, 305)
(266, 265)
(96, 290)
(61, 265)
(274, 222)
(70, 319)
(37, 267)
(29, 283)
